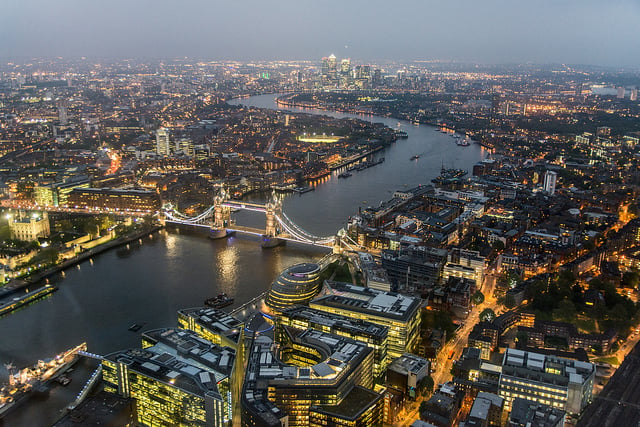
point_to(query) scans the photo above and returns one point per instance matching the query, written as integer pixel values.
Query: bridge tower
(337, 245)
(272, 228)
(221, 215)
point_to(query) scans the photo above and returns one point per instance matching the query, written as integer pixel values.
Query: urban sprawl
(502, 295)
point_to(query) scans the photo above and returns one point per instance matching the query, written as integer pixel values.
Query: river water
(99, 300)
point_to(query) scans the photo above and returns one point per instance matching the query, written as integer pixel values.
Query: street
(443, 363)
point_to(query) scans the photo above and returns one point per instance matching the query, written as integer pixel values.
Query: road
(443, 363)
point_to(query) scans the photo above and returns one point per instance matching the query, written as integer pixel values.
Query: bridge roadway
(255, 232)
(284, 236)
(245, 206)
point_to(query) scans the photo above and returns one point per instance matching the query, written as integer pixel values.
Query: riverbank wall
(15, 286)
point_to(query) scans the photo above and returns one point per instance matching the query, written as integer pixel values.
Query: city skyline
(569, 32)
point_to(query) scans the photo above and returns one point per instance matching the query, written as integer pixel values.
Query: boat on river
(35, 380)
(222, 300)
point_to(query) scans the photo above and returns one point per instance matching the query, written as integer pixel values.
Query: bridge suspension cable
(174, 215)
(287, 224)
(300, 234)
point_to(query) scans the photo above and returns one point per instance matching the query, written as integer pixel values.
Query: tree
(47, 256)
(424, 407)
(630, 279)
(510, 278)
(148, 220)
(509, 301)
(477, 298)
(566, 311)
(522, 338)
(487, 315)
(5, 233)
(566, 279)
(426, 384)
(90, 227)
(438, 320)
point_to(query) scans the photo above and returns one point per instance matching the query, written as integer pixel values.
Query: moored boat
(222, 300)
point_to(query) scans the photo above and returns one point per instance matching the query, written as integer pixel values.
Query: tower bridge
(278, 226)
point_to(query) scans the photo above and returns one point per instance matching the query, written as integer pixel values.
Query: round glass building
(296, 285)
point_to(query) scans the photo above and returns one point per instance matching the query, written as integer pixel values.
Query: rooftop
(527, 413)
(319, 317)
(367, 300)
(214, 319)
(179, 358)
(353, 405)
(545, 368)
(265, 370)
(408, 363)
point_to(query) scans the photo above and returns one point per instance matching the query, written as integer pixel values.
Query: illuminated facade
(163, 143)
(213, 325)
(30, 227)
(371, 334)
(550, 179)
(465, 264)
(176, 379)
(296, 285)
(401, 314)
(311, 369)
(554, 381)
(361, 407)
(113, 199)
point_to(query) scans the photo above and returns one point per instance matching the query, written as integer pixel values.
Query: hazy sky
(600, 32)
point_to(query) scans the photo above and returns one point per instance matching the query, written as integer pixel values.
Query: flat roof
(408, 363)
(358, 400)
(319, 317)
(367, 300)
(180, 358)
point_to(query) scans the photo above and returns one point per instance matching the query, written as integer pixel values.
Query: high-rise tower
(163, 145)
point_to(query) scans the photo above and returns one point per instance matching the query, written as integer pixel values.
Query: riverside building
(213, 325)
(29, 227)
(296, 285)
(114, 199)
(369, 333)
(310, 378)
(177, 378)
(400, 313)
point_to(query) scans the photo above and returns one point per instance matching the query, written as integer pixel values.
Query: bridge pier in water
(221, 218)
(217, 223)
(272, 230)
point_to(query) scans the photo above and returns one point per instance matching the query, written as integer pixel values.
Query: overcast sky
(599, 32)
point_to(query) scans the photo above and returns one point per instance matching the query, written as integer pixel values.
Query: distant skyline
(593, 32)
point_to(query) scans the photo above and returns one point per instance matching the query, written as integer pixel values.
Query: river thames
(98, 300)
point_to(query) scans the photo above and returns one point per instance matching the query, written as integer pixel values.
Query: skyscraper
(329, 69)
(550, 178)
(186, 146)
(345, 66)
(634, 95)
(620, 92)
(163, 145)
(62, 112)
